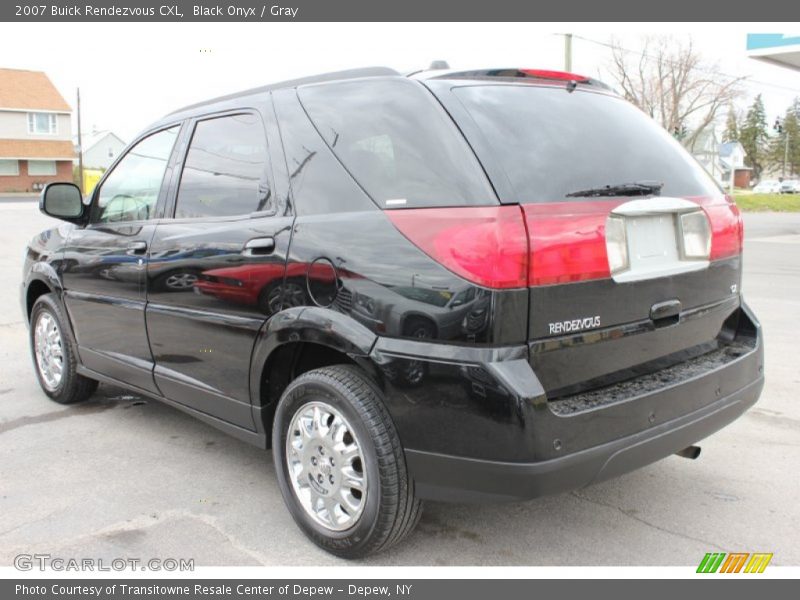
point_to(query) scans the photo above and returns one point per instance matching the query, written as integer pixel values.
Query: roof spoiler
(517, 73)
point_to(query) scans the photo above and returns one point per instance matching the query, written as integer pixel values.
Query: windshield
(557, 146)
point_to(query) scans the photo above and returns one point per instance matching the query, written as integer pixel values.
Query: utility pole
(568, 52)
(785, 155)
(80, 144)
(780, 128)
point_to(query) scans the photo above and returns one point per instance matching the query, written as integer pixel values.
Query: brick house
(35, 132)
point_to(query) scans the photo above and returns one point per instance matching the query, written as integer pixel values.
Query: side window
(225, 171)
(130, 192)
(397, 142)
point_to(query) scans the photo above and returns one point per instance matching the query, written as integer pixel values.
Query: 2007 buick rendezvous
(486, 285)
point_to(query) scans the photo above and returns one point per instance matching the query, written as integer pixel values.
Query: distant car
(790, 186)
(768, 187)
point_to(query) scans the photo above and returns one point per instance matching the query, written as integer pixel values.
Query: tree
(731, 126)
(754, 138)
(788, 127)
(670, 81)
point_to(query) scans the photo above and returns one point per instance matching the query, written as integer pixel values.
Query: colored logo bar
(734, 562)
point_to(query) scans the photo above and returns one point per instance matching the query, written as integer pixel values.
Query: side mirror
(62, 201)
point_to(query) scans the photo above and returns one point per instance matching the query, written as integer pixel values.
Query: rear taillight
(486, 245)
(616, 244)
(505, 247)
(568, 241)
(695, 235)
(727, 228)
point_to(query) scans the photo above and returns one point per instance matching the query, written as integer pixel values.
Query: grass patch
(768, 202)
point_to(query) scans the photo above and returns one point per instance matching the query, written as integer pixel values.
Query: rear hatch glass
(552, 143)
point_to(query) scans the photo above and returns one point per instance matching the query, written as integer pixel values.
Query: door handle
(259, 246)
(138, 247)
(666, 313)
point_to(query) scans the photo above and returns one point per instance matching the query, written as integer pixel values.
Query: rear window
(398, 143)
(552, 143)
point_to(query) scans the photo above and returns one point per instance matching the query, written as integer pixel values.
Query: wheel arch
(43, 279)
(297, 340)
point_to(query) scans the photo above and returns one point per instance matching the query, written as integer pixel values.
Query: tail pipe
(689, 452)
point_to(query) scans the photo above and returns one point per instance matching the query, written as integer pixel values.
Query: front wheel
(54, 354)
(340, 465)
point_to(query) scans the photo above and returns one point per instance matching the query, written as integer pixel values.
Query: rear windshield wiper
(635, 188)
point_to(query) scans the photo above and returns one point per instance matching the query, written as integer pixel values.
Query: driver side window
(131, 191)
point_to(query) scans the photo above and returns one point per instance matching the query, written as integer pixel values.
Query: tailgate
(587, 326)
(634, 250)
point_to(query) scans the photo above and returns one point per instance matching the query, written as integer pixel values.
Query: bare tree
(670, 81)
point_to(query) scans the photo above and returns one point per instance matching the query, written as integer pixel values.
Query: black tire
(390, 511)
(72, 387)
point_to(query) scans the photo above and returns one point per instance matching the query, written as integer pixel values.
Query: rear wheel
(54, 354)
(340, 465)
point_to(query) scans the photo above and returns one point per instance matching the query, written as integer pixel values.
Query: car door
(105, 262)
(216, 267)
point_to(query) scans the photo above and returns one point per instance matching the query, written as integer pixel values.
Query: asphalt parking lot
(123, 476)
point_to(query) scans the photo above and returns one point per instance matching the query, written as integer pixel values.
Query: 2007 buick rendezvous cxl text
(466, 286)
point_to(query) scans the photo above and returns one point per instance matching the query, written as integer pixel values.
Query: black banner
(406, 10)
(733, 588)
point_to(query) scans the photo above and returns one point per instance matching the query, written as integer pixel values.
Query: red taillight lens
(486, 245)
(727, 228)
(568, 241)
(538, 244)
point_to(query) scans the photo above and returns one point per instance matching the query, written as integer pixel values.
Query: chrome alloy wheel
(181, 281)
(48, 350)
(326, 466)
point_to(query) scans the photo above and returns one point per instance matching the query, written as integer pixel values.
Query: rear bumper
(457, 479)
(566, 450)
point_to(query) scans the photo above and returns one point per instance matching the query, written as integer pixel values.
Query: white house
(718, 159)
(100, 149)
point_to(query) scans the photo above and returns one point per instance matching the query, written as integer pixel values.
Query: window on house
(9, 167)
(42, 123)
(41, 167)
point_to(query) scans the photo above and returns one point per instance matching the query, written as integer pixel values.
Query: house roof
(24, 149)
(88, 140)
(727, 148)
(30, 90)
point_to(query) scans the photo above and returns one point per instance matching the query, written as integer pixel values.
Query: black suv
(464, 286)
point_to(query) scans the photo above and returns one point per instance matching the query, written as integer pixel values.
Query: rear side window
(397, 142)
(225, 171)
(552, 143)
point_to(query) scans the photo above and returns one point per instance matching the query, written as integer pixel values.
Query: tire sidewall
(46, 303)
(297, 395)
